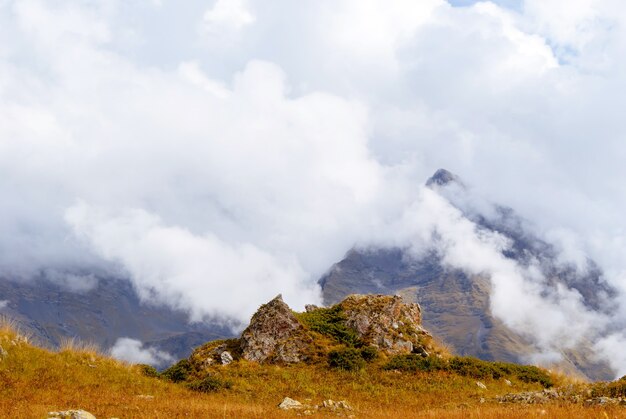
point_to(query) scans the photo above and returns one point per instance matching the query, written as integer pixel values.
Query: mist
(218, 153)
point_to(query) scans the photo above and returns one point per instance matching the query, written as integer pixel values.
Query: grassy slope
(34, 381)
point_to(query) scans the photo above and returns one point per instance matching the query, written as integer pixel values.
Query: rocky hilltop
(368, 323)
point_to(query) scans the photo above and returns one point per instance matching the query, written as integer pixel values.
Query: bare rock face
(386, 322)
(275, 335)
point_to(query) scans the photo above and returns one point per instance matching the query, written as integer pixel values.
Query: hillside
(111, 309)
(392, 384)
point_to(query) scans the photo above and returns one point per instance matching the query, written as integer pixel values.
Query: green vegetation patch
(209, 384)
(348, 359)
(178, 372)
(148, 370)
(351, 359)
(612, 389)
(470, 367)
(330, 322)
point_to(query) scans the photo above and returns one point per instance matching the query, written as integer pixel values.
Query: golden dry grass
(34, 381)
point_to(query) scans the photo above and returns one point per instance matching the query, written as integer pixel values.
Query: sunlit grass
(34, 381)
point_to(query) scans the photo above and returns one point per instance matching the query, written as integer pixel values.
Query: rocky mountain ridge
(52, 314)
(456, 303)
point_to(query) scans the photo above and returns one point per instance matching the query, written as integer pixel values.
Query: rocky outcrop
(275, 334)
(328, 406)
(385, 322)
(278, 335)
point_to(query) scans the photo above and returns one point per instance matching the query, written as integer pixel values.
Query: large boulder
(386, 322)
(275, 335)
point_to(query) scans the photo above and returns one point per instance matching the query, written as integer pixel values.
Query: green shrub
(330, 322)
(474, 367)
(178, 372)
(612, 389)
(470, 367)
(348, 359)
(209, 384)
(414, 362)
(369, 353)
(148, 370)
(530, 374)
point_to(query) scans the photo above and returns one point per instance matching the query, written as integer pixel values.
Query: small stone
(226, 358)
(3, 352)
(71, 414)
(344, 405)
(404, 346)
(481, 385)
(289, 403)
(507, 382)
(334, 406)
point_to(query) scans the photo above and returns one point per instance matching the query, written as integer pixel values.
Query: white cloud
(284, 133)
(134, 351)
(225, 19)
(200, 274)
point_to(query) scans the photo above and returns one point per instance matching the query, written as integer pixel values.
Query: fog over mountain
(217, 153)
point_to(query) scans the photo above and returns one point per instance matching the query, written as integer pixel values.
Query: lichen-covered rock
(71, 414)
(226, 358)
(386, 322)
(533, 397)
(605, 401)
(335, 405)
(275, 334)
(289, 403)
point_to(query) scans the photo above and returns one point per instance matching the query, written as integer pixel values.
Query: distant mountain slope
(111, 310)
(456, 306)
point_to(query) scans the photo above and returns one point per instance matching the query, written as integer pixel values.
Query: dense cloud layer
(220, 152)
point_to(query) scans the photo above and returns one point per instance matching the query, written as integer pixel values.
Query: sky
(217, 153)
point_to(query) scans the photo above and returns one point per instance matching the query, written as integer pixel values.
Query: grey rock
(289, 404)
(274, 334)
(226, 358)
(386, 322)
(534, 397)
(71, 414)
(605, 401)
(481, 385)
(335, 405)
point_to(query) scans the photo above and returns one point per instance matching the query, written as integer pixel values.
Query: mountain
(456, 304)
(52, 314)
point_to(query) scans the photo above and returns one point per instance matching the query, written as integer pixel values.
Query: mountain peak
(443, 177)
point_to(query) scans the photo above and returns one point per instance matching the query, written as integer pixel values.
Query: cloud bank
(133, 351)
(219, 153)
